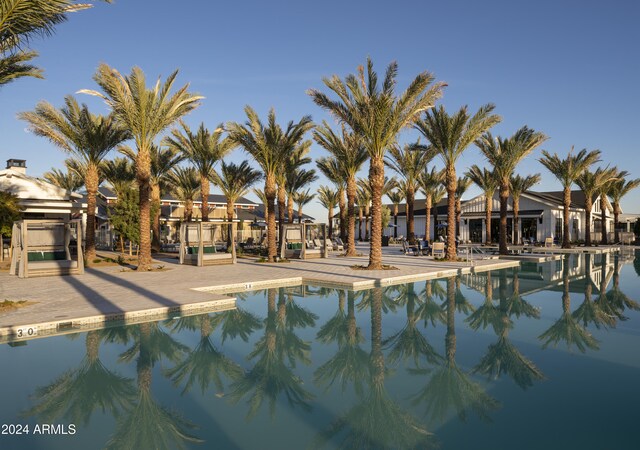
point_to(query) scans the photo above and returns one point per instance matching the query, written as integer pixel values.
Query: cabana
(44, 247)
(304, 241)
(205, 243)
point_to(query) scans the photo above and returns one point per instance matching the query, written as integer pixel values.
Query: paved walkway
(107, 293)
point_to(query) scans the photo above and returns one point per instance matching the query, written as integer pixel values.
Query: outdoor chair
(548, 242)
(338, 245)
(410, 249)
(437, 250)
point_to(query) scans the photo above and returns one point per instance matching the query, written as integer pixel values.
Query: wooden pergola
(205, 243)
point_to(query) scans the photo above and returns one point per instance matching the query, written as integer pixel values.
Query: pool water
(542, 356)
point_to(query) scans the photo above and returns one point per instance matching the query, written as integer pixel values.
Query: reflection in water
(257, 355)
(450, 388)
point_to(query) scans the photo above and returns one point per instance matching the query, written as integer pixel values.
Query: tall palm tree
(69, 180)
(619, 189)
(450, 136)
(431, 185)
(20, 22)
(234, 181)
(347, 156)
(377, 115)
(520, 185)
(303, 198)
(185, 186)
(145, 113)
(396, 197)
(409, 165)
(505, 155)
(270, 146)
(486, 180)
(204, 149)
(567, 172)
(296, 180)
(328, 198)
(88, 138)
(462, 185)
(591, 184)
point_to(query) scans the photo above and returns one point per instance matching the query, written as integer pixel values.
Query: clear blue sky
(568, 68)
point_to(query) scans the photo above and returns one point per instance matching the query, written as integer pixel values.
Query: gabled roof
(578, 199)
(31, 188)
(213, 198)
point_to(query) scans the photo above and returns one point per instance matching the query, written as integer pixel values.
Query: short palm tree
(377, 115)
(20, 22)
(567, 172)
(296, 180)
(619, 189)
(449, 136)
(303, 198)
(505, 155)
(409, 165)
(591, 184)
(486, 180)
(347, 157)
(69, 180)
(328, 198)
(203, 149)
(295, 160)
(605, 204)
(234, 181)
(145, 113)
(396, 197)
(263, 198)
(431, 185)
(520, 185)
(119, 173)
(331, 168)
(184, 183)
(88, 138)
(462, 185)
(270, 146)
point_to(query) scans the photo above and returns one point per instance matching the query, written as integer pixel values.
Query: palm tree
(185, 184)
(567, 172)
(462, 185)
(296, 180)
(303, 198)
(163, 161)
(348, 156)
(145, 113)
(486, 180)
(288, 174)
(234, 181)
(263, 198)
(364, 205)
(520, 185)
(619, 189)
(449, 136)
(396, 196)
(330, 168)
(605, 204)
(377, 116)
(204, 149)
(20, 22)
(88, 138)
(270, 146)
(69, 180)
(328, 198)
(431, 185)
(592, 183)
(504, 155)
(120, 174)
(409, 165)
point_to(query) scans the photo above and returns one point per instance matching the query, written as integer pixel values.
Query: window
(558, 232)
(576, 229)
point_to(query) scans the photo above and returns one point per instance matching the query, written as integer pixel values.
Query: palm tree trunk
(616, 216)
(376, 177)
(504, 201)
(351, 215)
(188, 210)
(452, 184)
(282, 198)
(290, 209)
(450, 338)
(588, 205)
(300, 214)
(395, 220)
(155, 220)
(427, 221)
(230, 209)
(488, 206)
(516, 211)
(458, 215)
(411, 198)
(435, 222)
(342, 205)
(367, 222)
(270, 193)
(204, 193)
(91, 183)
(143, 176)
(376, 357)
(565, 233)
(603, 218)
(360, 219)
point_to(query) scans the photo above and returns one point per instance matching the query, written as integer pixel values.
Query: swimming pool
(542, 356)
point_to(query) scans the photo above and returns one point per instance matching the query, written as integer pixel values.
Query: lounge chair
(410, 249)
(437, 250)
(338, 245)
